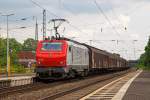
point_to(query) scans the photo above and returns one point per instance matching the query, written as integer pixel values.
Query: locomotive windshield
(51, 46)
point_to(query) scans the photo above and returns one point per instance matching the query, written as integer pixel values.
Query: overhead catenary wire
(85, 23)
(35, 3)
(24, 18)
(65, 7)
(113, 27)
(51, 13)
(78, 28)
(117, 18)
(100, 9)
(68, 9)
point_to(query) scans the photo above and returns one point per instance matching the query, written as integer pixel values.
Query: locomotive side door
(69, 55)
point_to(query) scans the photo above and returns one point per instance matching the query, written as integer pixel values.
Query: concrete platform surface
(16, 80)
(139, 88)
(16, 75)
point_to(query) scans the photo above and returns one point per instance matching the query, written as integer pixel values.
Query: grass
(146, 68)
(143, 67)
(17, 69)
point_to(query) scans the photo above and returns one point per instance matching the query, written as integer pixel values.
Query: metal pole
(134, 48)
(90, 42)
(36, 30)
(0, 37)
(114, 49)
(7, 48)
(117, 47)
(44, 24)
(8, 57)
(0, 29)
(134, 52)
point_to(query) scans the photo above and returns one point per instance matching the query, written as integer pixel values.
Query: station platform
(133, 86)
(139, 88)
(16, 75)
(16, 80)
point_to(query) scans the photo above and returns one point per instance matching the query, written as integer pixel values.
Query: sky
(100, 23)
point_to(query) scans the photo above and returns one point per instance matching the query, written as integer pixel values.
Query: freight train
(68, 58)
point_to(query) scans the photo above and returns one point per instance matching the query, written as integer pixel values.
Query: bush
(18, 69)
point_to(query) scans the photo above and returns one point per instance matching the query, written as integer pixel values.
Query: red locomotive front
(51, 57)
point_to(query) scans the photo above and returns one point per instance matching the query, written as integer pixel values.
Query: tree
(29, 44)
(147, 54)
(2, 52)
(142, 60)
(145, 58)
(14, 48)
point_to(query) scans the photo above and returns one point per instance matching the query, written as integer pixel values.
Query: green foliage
(18, 69)
(147, 54)
(15, 47)
(2, 52)
(29, 44)
(144, 61)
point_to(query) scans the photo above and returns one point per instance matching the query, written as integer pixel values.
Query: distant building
(26, 58)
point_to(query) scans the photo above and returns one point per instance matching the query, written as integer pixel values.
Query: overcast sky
(86, 22)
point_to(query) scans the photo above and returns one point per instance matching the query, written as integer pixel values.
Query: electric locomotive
(61, 58)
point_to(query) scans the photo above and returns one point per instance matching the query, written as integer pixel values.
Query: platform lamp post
(8, 57)
(0, 28)
(0, 37)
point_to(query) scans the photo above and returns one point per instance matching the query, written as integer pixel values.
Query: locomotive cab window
(51, 46)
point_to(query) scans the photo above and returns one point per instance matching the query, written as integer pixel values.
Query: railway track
(6, 91)
(72, 90)
(27, 92)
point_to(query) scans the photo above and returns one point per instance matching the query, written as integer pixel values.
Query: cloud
(85, 19)
(134, 36)
(124, 20)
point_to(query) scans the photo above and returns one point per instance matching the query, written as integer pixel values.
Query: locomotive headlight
(61, 62)
(40, 59)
